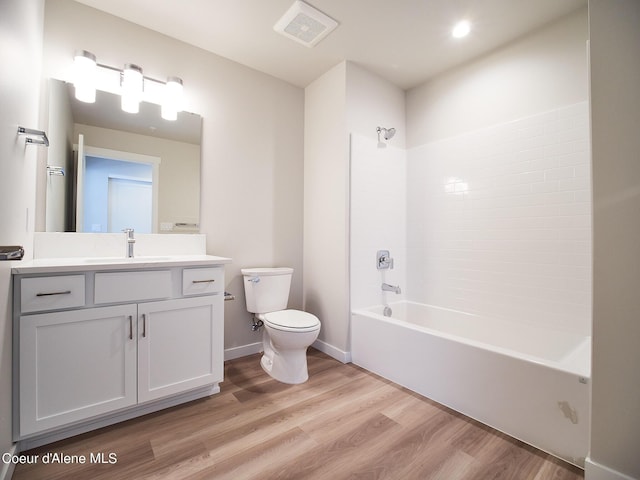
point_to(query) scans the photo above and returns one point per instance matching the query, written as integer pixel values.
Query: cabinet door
(180, 345)
(75, 365)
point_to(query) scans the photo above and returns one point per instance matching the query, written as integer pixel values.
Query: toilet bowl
(287, 333)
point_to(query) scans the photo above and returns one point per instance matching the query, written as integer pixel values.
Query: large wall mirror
(107, 169)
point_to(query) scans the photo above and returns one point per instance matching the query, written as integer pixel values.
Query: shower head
(387, 134)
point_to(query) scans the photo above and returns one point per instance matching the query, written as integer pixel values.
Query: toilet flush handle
(254, 279)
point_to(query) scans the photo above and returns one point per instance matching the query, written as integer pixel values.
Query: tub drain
(387, 312)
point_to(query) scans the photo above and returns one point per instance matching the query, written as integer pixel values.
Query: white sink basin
(149, 259)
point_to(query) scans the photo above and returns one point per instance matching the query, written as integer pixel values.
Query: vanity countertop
(80, 264)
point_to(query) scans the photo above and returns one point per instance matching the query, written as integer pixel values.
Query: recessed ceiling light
(461, 29)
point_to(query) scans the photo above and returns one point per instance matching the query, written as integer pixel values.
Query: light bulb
(132, 86)
(461, 29)
(84, 65)
(172, 98)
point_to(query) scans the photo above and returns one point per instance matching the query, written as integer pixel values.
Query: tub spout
(390, 288)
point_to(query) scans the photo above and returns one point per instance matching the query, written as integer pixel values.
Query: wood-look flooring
(344, 423)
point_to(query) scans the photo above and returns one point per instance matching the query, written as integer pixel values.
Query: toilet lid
(292, 319)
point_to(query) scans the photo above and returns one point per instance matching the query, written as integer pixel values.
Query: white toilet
(287, 333)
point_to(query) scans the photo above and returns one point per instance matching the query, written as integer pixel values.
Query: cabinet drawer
(199, 281)
(51, 293)
(132, 286)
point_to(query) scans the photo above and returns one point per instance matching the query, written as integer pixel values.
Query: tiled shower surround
(498, 220)
(378, 214)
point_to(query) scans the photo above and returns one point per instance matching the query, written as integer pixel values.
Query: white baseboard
(242, 351)
(595, 471)
(340, 355)
(250, 349)
(6, 469)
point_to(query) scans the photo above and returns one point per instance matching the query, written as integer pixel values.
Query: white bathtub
(529, 383)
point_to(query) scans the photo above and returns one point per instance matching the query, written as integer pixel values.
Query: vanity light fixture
(129, 83)
(84, 81)
(461, 29)
(172, 98)
(132, 84)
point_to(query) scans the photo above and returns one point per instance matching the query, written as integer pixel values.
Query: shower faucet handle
(383, 260)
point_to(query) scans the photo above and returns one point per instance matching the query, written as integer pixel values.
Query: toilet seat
(291, 321)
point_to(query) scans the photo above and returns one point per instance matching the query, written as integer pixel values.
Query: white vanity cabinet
(94, 347)
(75, 365)
(179, 345)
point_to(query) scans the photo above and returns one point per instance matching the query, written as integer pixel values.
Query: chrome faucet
(130, 241)
(391, 288)
(383, 260)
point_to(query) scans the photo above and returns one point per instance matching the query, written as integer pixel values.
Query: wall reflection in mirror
(120, 169)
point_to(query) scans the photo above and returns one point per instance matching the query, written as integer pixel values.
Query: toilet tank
(267, 289)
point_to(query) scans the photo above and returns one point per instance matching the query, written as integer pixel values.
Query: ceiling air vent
(305, 24)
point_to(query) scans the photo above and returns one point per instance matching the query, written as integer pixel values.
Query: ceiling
(404, 41)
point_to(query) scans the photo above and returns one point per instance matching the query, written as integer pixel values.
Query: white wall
(499, 221)
(498, 183)
(252, 142)
(378, 221)
(345, 99)
(377, 186)
(374, 102)
(326, 167)
(614, 29)
(20, 47)
(534, 74)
